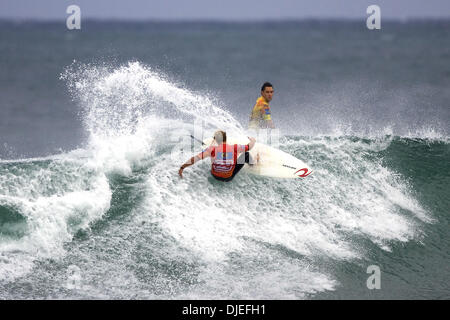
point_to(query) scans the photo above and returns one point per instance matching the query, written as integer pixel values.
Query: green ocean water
(370, 202)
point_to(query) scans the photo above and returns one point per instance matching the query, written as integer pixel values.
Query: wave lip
(252, 238)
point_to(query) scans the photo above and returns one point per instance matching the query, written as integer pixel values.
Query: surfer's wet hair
(265, 85)
(220, 136)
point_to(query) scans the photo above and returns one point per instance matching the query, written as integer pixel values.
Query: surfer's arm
(256, 116)
(191, 161)
(266, 115)
(188, 163)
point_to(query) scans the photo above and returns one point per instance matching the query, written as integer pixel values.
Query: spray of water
(252, 238)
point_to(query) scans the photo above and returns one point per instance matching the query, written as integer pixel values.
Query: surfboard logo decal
(305, 172)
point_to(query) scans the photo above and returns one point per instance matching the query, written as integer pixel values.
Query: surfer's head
(220, 136)
(267, 91)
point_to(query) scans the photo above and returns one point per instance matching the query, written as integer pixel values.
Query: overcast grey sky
(222, 9)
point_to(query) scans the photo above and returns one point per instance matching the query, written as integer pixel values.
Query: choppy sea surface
(92, 125)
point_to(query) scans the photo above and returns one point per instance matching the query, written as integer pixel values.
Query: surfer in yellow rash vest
(260, 117)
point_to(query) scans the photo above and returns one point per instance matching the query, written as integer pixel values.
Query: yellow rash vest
(260, 114)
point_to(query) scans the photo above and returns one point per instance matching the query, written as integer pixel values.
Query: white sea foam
(253, 238)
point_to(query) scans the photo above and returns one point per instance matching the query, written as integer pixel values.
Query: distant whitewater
(112, 219)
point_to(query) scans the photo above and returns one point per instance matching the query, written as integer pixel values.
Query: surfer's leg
(243, 158)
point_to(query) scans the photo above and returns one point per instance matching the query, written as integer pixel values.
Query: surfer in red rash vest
(225, 163)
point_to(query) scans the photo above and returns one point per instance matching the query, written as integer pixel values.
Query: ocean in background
(91, 122)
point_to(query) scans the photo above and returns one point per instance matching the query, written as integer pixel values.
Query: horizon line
(225, 20)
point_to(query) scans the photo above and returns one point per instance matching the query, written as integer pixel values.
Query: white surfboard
(272, 162)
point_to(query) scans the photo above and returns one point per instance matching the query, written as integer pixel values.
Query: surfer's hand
(252, 143)
(180, 172)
